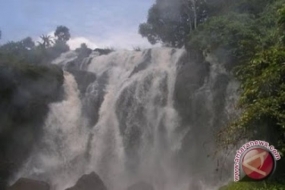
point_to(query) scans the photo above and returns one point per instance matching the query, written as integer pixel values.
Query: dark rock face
(29, 184)
(192, 108)
(92, 101)
(191, 75)
(103, 51)
(141, 186)
(83, 79)
(143, 65)
(25, 92)
(89, 182)
(200, 99)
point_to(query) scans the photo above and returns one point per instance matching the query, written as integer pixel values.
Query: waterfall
(135, 135)
(142, 132)
(57, 156)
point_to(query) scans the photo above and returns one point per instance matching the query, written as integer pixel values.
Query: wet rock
(103, 51)
(83, 79)
(89, 182)
(26, 90)
(29, 184)
(141, 186)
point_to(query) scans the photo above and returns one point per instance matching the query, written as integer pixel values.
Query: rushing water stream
(142, 132)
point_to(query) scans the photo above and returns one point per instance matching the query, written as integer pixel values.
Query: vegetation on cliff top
(262, 84)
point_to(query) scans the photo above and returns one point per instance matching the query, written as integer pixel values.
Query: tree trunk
(186, 3)
(194, 12)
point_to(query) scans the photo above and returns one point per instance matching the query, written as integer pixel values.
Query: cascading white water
(64, 141)
(118, 117)
(138, 135)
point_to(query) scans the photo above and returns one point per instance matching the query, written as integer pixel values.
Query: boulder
(29, 184)
(89, 182)
(141, 186)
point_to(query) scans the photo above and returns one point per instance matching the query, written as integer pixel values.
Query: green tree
(232, 38)
(83, 46)
(62, 33)
(28, 43)
(60, 46)
(170, 22)
(46, 41)
(83, 51)
(20, 48)
(262, 85)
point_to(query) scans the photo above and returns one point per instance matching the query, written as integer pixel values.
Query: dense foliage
(170, 22)
(62, 33)
(253, 186)
(261, 74)
(43, 52)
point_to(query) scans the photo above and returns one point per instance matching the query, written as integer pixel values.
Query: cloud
(123, 40)
(126, 40)
(118, 39)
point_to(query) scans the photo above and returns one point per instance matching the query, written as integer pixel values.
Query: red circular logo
(258, 163)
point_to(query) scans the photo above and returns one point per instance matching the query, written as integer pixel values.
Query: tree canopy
(26, 51)
(263, 88)
(62, 33)
(46, 41)
(169, 22)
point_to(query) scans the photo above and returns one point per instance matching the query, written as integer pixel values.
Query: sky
(98, 23)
